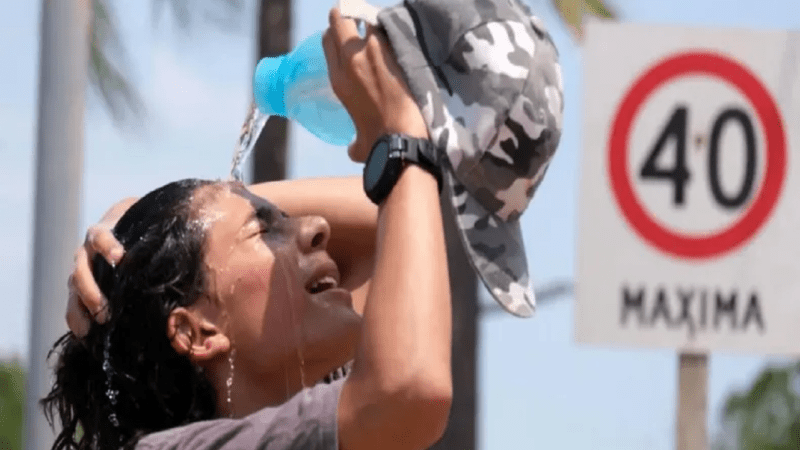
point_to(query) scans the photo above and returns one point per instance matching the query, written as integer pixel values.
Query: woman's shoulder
(306, 421)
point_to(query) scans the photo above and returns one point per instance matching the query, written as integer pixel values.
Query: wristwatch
(388, 157)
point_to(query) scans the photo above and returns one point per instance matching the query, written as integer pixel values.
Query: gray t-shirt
(307, 421)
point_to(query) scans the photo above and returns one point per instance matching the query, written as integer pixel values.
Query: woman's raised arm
(341, 201)
(399, 392)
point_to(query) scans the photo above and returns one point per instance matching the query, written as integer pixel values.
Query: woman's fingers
(353, 150)
(334, 62)
(78, 319)
(86, 298)
(331, 51)
(344, 31)
(101, 240)
(348, 41)
(370, 84)
(86, 302)
(86, 288)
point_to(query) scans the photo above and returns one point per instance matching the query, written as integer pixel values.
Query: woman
(225, 310)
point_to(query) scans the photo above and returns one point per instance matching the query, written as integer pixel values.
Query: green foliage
(767, 415)
(12, 404)
(574, 11)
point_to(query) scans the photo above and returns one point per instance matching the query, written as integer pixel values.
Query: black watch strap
(389, 156)
(422, 153)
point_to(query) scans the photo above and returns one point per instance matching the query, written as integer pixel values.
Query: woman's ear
(193, 335)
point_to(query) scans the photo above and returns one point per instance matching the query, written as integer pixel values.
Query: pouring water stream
(251, 130)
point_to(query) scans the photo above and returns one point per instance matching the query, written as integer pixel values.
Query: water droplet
(112, 396)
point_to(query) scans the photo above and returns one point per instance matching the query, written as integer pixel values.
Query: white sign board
(689, 233)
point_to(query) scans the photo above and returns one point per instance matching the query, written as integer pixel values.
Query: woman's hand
(86, 301)
(368, 81)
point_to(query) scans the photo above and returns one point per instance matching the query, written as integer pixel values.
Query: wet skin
(264, 270)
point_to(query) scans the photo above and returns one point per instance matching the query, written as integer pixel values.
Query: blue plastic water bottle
(296, 86)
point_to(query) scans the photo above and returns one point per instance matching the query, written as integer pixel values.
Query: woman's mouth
(325, 281)
(324, 277)
(322, 284)
(337, 374)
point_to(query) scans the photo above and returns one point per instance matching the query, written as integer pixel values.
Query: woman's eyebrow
(263, 214)
(259, 215)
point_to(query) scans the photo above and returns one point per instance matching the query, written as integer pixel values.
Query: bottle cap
(268, 86)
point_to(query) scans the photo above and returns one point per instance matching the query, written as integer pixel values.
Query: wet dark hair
(146, 385)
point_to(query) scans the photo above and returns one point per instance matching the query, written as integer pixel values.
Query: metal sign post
(691, 430)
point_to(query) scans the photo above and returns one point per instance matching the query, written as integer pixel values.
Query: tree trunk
(461, 430)
(274, 38)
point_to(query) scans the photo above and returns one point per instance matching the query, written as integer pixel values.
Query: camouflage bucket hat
(486, 76)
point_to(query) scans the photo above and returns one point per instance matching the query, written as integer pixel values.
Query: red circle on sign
(726, 240)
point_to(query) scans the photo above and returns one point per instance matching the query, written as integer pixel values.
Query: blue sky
(537, 388)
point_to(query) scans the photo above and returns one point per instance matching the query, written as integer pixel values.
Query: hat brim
(495, 248)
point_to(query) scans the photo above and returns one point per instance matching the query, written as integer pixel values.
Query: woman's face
(277, 287)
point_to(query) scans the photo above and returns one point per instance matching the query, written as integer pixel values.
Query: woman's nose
(313, 234)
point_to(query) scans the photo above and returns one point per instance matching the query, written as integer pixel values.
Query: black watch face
(376, 164)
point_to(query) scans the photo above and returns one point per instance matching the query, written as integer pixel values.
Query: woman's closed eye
(265, 220)
(269, 220)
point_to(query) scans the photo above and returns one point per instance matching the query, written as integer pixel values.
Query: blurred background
(170, 84)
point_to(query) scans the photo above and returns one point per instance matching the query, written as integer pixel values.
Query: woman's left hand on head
(86, 301)
(367, 79)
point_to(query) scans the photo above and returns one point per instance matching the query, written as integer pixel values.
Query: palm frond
(600, 9)
(184, 12)
(122, 100)
(574, 11)
(107, 62)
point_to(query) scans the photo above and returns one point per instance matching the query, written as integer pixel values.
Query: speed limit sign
(688, 235)
(720, 69)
